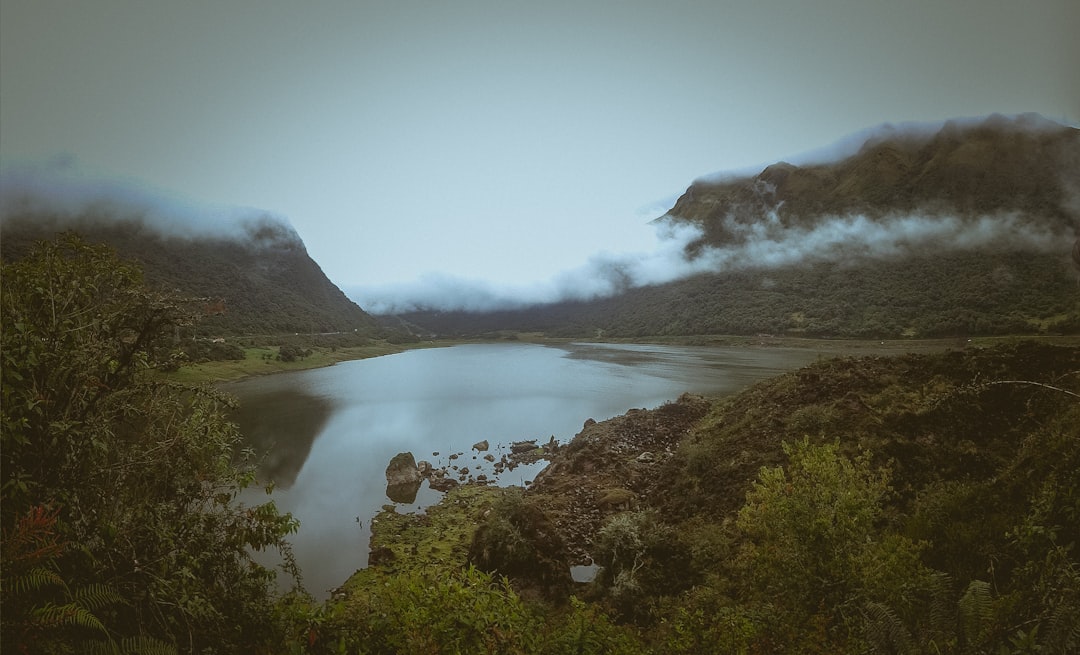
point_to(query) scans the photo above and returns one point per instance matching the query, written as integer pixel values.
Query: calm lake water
(329, 433)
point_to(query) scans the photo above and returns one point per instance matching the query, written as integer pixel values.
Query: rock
(402, 470)
(646, 457)
(424, 467)
(589, 422)
(489, 457)
(442, 484)
(519, 447)
(616, 499)
(453, 456)
(481, 478)
(480, 446)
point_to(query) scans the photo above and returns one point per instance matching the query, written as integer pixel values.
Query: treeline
(958, 294)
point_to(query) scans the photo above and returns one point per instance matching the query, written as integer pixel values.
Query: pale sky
(506, 142)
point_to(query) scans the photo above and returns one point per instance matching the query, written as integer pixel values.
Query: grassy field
(263, 360)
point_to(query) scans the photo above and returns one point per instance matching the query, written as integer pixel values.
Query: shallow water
(329, 433)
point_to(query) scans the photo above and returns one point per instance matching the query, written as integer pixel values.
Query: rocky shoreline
(608, 467)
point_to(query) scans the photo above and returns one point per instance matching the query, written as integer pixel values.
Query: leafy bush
(141, 474)
(518, 540)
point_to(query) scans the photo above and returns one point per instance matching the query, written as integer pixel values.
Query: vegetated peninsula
(254, 279)
(953, 229)
(908, 504)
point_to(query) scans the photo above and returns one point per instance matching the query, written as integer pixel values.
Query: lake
(328, 433)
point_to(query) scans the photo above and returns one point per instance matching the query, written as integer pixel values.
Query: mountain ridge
(865, 245)
(258, 276)
(966, 168)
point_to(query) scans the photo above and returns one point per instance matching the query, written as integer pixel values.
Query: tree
(815, 545)
(140, 475)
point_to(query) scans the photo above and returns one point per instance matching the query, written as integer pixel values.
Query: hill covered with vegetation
(908, 504)
(958, 229)
(258, 279)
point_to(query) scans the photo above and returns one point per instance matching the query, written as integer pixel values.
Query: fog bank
(61, 191)
(763, 244)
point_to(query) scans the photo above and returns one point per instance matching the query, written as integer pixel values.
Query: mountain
(965, 169)
(257, 278)
(958, 228)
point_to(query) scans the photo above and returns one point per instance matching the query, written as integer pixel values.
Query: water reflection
(404, 494)
(281, 428)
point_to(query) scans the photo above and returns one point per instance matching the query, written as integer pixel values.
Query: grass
(441, 536)
(262, 360)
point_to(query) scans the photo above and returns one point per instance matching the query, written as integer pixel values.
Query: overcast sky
(501, 141)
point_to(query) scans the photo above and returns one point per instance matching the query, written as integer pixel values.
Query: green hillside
(260, 281)
(909, 504)
(962, 295)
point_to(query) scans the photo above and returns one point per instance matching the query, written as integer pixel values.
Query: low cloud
(604, 274)
(762, 244)
(62, 191)
(768, 244)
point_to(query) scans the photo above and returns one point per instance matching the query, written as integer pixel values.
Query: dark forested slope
(256, 280)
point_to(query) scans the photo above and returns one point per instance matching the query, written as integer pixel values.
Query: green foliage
(518, 540)
(144, 531)
(641, 560)
(461, 612)
(41, 612)
(457, 611)
(291, 353)
(813, 540)
(948, 295)
(209, 350)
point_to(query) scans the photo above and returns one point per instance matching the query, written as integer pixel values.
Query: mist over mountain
(969, 180)
(251, 267)
(864, 237)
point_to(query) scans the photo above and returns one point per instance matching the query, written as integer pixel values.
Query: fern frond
(33, 580)
(100, 648)
(976, 608)
(146, 646)
(95, 596)
(885, 632)
(53, 616)
(141, 645)
(942, 612)
(1063, 629)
